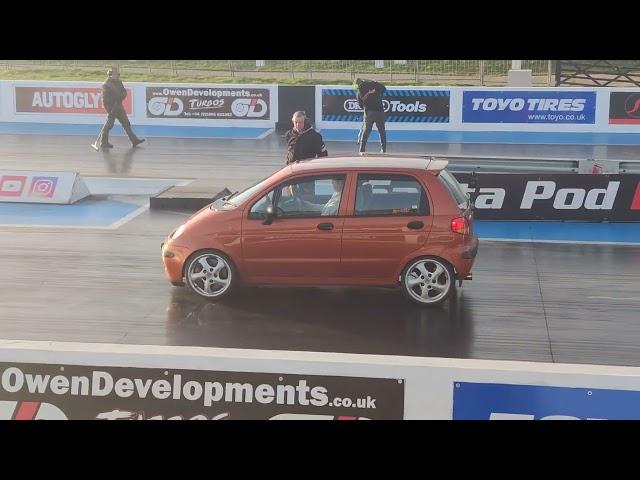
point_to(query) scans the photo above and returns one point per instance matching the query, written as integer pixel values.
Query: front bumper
(173, 258)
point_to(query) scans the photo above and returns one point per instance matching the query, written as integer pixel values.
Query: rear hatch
(459, 196)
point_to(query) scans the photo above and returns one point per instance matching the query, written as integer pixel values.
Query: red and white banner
(41, 187)
(10, 410)
(66, 100)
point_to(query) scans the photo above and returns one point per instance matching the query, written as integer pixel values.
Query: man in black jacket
(370, 99)
(303, 141)
(113, 94)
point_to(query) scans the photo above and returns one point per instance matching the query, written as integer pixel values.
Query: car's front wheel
(428, 280)
(211, 274)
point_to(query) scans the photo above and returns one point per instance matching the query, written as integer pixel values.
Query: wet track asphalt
(538, 302)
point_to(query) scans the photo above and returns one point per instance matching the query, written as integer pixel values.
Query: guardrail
(511, 164)
(59, 380)
(630, 166)
(498, 164)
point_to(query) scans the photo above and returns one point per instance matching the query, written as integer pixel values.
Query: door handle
(325, 226)
(415, 225)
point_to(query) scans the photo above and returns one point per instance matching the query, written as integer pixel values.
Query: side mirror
(269, 215)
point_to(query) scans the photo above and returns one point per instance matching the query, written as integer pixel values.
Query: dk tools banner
(340, 105)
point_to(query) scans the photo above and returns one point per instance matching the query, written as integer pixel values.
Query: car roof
(372, 160)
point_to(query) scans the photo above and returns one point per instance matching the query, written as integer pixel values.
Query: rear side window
(383, 195)
(451, 184)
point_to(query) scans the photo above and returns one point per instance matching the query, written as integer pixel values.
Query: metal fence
(599, 73)
(471, 72)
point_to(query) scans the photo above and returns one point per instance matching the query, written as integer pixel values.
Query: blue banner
(529, 106)
(490, 401)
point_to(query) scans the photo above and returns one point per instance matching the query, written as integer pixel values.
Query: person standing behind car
(113, 94)
(370, 99)
(303, 141)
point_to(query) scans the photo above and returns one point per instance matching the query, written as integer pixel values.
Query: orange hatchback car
(378, 220)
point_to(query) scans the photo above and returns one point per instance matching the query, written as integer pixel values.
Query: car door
(303, 242)
(389, 219)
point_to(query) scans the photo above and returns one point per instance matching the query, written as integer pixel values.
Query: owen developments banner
(229, 103)
(42, 391)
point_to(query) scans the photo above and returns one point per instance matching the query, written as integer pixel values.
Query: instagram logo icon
(43, 187)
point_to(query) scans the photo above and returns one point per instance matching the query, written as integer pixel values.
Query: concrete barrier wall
(542, 109)
(529, 115)
(187, 382)
(167, 110)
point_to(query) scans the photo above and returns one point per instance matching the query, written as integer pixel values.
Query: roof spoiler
(436, 164)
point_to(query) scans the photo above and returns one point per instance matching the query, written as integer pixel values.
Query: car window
(380, 194)
(454, 188)
(310, 197)
(260, 207)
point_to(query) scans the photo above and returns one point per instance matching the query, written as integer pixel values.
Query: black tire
(434, 290)
(214, 284)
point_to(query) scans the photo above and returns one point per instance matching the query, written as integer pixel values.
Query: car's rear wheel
(211, 274)
(428, 280)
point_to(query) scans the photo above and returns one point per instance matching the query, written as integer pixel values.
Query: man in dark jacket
(370, 99)
(113, 94)
(303, 141)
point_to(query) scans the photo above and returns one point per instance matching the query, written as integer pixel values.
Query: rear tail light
(460, 225)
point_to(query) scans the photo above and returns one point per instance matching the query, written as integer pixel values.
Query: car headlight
(179, 231)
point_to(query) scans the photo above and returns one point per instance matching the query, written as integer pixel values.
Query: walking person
(113, 94)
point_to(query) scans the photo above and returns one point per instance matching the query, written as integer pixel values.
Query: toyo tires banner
(529, 106)
(400, 105)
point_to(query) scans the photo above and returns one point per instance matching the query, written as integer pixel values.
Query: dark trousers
(370, 118)
(118, 113)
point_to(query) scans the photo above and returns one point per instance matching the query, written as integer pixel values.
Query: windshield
(237, 198)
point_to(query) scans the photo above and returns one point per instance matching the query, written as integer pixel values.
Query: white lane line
(129, 217)
(84, 227)
(268, 132)
(526, 240)
(113, 226)
(633, 299)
